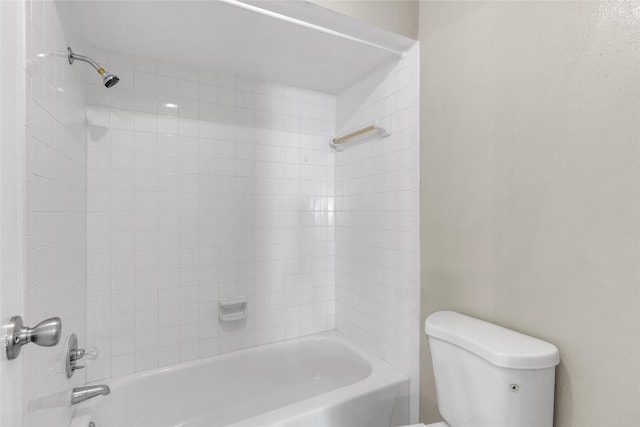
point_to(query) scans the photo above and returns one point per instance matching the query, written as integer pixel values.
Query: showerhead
(108, 79)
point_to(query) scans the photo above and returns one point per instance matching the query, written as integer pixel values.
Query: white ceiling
(218, 36)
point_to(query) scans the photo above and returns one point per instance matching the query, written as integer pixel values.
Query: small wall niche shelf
(380, 127)
(232, 309)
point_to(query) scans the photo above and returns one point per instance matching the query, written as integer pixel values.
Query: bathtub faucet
(80, 394)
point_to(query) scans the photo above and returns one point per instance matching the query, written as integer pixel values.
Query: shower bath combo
(357, 387)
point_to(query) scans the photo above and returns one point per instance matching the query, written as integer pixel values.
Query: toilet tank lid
(500, 346)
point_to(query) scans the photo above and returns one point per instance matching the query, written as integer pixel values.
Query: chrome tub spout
(80, 394)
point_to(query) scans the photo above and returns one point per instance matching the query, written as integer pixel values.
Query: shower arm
(74, 56)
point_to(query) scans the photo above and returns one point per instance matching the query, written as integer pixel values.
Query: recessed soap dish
(232, 309)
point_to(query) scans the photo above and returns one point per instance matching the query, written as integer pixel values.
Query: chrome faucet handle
(89, 354)
(46, 334)
(74, 354)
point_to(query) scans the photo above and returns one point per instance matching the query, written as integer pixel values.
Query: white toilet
(490, 376)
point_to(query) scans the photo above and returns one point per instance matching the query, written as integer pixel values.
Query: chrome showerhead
(108, 79)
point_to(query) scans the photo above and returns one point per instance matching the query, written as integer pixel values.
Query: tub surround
(184, 187)
(179, 187)
(204, 186)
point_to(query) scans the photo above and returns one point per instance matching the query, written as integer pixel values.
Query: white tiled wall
(204, 186)
(55, 184)
(377, 220)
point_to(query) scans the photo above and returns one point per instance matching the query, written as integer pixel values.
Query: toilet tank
(490, 376)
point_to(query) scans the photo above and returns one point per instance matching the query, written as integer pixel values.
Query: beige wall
(530, 187)
(399, 16)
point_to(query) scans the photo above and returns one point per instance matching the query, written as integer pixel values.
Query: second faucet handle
(91, 353)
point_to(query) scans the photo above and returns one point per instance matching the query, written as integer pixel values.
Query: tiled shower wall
(204, 186)
(377, 220)
(55, 211)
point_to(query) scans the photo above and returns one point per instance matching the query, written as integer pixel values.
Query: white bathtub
(318, 380)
